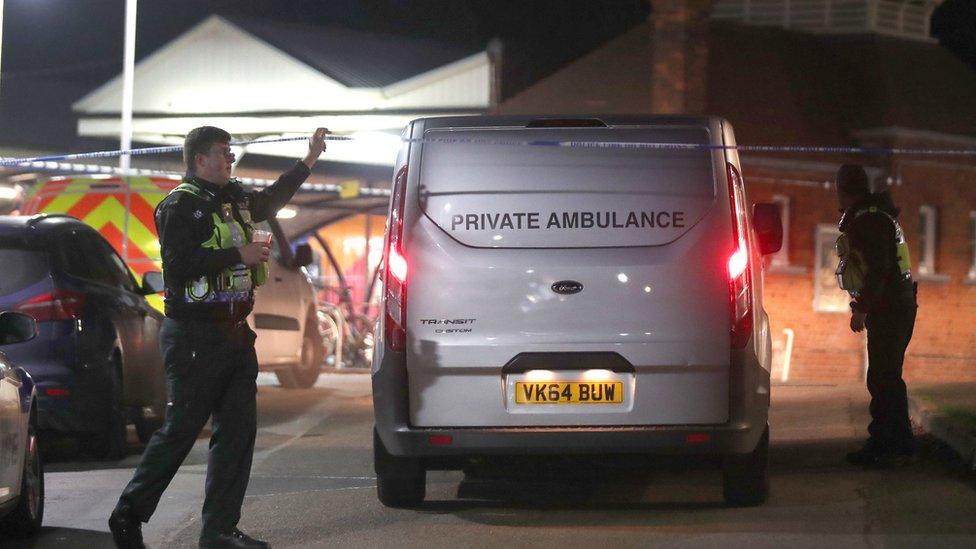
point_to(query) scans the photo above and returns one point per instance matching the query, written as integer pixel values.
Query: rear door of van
(550, 262)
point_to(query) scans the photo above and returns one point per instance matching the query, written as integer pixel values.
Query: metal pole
(1, 36)
(128, 67)
(125, 135)
(366, 274)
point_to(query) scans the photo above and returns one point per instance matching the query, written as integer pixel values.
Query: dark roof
(786, 87)
(353, 58)
(778, 86)
(613, 79)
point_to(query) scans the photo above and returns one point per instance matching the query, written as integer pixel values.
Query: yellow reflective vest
(852, 268)
(233, 283)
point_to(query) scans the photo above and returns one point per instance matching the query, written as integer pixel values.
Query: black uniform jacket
(185, 221)
(873, 234)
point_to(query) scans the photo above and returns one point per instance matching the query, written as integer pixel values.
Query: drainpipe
(865, 375)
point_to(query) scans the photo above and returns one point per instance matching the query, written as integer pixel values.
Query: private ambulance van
(552, 288)
(284, 316)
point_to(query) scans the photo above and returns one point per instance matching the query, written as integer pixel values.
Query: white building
(259, 78)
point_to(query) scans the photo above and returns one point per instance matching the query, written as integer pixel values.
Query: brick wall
(944, 345)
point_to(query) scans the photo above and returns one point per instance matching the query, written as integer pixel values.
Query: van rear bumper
(749, 403)
(664, 441)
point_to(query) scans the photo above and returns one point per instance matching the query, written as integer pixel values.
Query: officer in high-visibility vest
(210, 268)
(875, 269)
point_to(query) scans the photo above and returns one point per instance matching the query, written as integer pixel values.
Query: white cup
(262, 236)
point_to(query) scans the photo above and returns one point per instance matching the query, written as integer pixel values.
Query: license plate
(569, 392)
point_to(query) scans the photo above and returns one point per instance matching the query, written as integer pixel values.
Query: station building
(815, 73)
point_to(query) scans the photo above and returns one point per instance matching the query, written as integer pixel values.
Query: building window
(971, 276)
(827, 296)
(782, 257)
(927, 223)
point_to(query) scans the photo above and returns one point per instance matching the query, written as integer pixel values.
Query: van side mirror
(303, 255)
(16, 328)
(152, 282)
(769, 227)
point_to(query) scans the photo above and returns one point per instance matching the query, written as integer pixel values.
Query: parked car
(289, 342)
(285, 317)
(96, 359)
(21, 470)
(586, 298)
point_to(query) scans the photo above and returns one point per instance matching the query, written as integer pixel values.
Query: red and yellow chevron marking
(101, 203)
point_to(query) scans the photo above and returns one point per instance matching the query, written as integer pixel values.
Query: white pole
(787, 355)
(1, 36)
(128, 67)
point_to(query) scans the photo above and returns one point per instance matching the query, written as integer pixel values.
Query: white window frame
(782, 257)
(928, 222)
(827, 296)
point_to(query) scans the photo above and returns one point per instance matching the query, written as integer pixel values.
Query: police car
(559, 286)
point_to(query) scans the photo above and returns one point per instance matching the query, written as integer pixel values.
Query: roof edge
(901, 132)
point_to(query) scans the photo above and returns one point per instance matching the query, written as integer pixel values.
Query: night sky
(56, 51)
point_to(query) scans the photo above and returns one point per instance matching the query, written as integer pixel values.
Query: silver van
(559, 286)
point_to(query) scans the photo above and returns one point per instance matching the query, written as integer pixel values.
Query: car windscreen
(22, 265)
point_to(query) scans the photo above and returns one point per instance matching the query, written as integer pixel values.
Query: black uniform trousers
(210, 372)
(889, 332)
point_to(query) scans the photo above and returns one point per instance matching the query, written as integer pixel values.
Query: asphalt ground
(313, 485)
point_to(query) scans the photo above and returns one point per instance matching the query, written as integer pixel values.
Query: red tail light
(56, 305)
(740, 287)
(396, 269)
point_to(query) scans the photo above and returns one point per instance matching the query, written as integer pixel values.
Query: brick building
(811, 73)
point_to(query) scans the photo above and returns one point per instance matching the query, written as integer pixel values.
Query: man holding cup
(213, 258)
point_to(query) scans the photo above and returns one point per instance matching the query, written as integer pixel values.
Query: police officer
(876, 270)
(211, 268)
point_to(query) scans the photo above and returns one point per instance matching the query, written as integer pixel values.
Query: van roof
(607, 119)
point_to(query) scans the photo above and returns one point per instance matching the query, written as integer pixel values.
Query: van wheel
(25, 519)
(110, 442)
(745, 479)
(400, 482)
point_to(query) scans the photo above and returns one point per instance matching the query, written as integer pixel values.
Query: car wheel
(26, 518)
(110, 442)
(400, 482)
(304, 374)
(745, 479)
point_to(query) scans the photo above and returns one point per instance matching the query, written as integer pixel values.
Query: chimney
(496, 51)
(680, 56)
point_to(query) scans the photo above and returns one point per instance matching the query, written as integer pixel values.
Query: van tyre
(745, 479)
(26, 518)
(304, 374)
(400, 482)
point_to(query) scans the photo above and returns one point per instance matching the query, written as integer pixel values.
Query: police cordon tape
(62, 162)
(805, 149)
